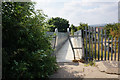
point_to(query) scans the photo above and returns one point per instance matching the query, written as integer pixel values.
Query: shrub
(26, 50)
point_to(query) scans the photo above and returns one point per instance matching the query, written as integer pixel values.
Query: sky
(85, 11)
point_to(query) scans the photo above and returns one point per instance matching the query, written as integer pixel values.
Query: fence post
(101, 44)
(105, 44)
(115, 50)
(92, 42)
(89, 44)
(108, 48)
(68, 30)
(98, 43)
(95, 43)
(106, 56)
(86, 42)
(112, 48)
(118, 48)
(55, 38)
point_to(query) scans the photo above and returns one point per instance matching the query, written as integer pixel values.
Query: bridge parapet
(58, 40)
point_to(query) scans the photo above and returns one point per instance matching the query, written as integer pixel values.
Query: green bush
(26, 50)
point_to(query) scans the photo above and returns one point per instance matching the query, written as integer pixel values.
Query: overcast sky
(76, 11)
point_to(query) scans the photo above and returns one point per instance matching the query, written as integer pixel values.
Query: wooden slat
(89, 43)
(101, 44)
(98, 43)
(95, 43)
(105, 45)
(115, 50)
(118, 49)
(112, 50)
(92, 42)
(108, 48)
(86, 42)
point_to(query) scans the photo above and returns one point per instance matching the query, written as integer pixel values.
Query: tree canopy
(82, 26)
(113, 30)
(60, 23)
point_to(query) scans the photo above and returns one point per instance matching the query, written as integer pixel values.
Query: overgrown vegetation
(26, 50)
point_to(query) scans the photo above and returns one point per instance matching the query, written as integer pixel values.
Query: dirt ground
(79, 70)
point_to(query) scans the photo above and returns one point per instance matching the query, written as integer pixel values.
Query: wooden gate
(98, 46)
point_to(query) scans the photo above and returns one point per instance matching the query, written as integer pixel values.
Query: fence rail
(98, 46)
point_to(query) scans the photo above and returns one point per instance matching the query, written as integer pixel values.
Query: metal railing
(98, 46)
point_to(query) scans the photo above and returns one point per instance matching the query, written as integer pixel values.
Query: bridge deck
(65, 54)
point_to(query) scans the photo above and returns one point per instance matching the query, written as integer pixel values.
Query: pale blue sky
(76, 11)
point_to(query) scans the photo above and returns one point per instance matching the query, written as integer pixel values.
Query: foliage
(90, 63)
(113, 30)
(60, 23)
(107, 28)
(72, 29)
(82, 26)
(51, 28)
(26, 50)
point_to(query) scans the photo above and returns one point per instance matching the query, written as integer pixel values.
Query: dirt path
(78, 70)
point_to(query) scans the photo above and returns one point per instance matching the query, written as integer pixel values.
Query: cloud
(95, 12)
(76, 11)
(119, 12)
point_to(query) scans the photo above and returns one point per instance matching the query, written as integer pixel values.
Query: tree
(108, 27)
(25, 50)
(82, 26)
(60, 23)
(51, 28)
(72, 29)
(115, 30)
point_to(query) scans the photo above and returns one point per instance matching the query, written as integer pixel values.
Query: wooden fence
(98, 46)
